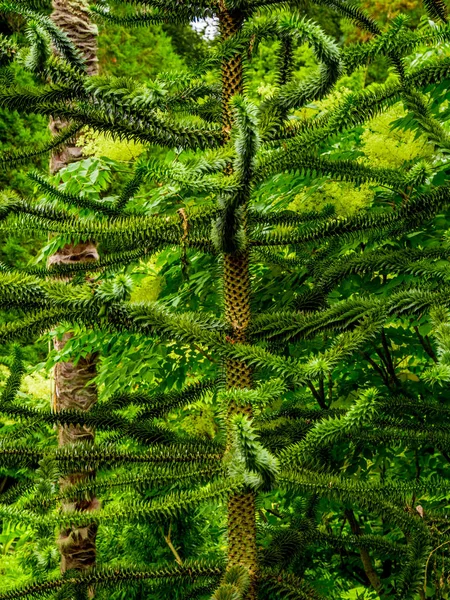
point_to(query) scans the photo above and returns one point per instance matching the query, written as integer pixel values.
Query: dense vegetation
(225, 316)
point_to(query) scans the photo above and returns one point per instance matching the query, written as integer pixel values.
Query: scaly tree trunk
(72, 387)
(236, 285)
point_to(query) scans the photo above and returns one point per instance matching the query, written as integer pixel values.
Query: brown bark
(73, 389)
(242, 548)
(232, 76)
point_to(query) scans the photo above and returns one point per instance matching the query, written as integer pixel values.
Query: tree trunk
(72, 388)
(72, 16)
(236, 285)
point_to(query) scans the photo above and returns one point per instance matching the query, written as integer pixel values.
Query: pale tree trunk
(72, 389)
(242, 548)
(72, 16)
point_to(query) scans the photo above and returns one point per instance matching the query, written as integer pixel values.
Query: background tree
(73, 386)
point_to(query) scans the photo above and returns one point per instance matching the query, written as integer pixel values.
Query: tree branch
(426, 344)
(171, 546)
(369, 570)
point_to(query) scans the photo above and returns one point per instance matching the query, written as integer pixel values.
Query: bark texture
(72, 17)
(232, 74)
(242, 548)
(72, 388)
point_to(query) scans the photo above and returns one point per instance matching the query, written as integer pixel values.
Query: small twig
(262, 515)
(369, 570)
(203, 353)
(330, 388)
(387, 359)
(430, 347)
(322, 389)
(341, 528)
(428, 560)
(184, 243)
(387, 352)
(275, 513)
(426, 344)
(171, 546)
(3, 483)
(445, 455)
(377, 368)
(385, 362)
(417, 464)
(316, 395)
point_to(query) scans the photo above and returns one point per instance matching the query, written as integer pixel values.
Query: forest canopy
(224, 312)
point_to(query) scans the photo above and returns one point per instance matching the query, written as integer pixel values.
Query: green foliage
(139, 54)
(234, 585)
(252, 455)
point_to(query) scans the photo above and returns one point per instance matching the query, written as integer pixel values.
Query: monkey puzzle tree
(306, 432)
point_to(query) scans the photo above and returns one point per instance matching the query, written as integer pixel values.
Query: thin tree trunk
(369, 570)
(72, 388)
(236, 285)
